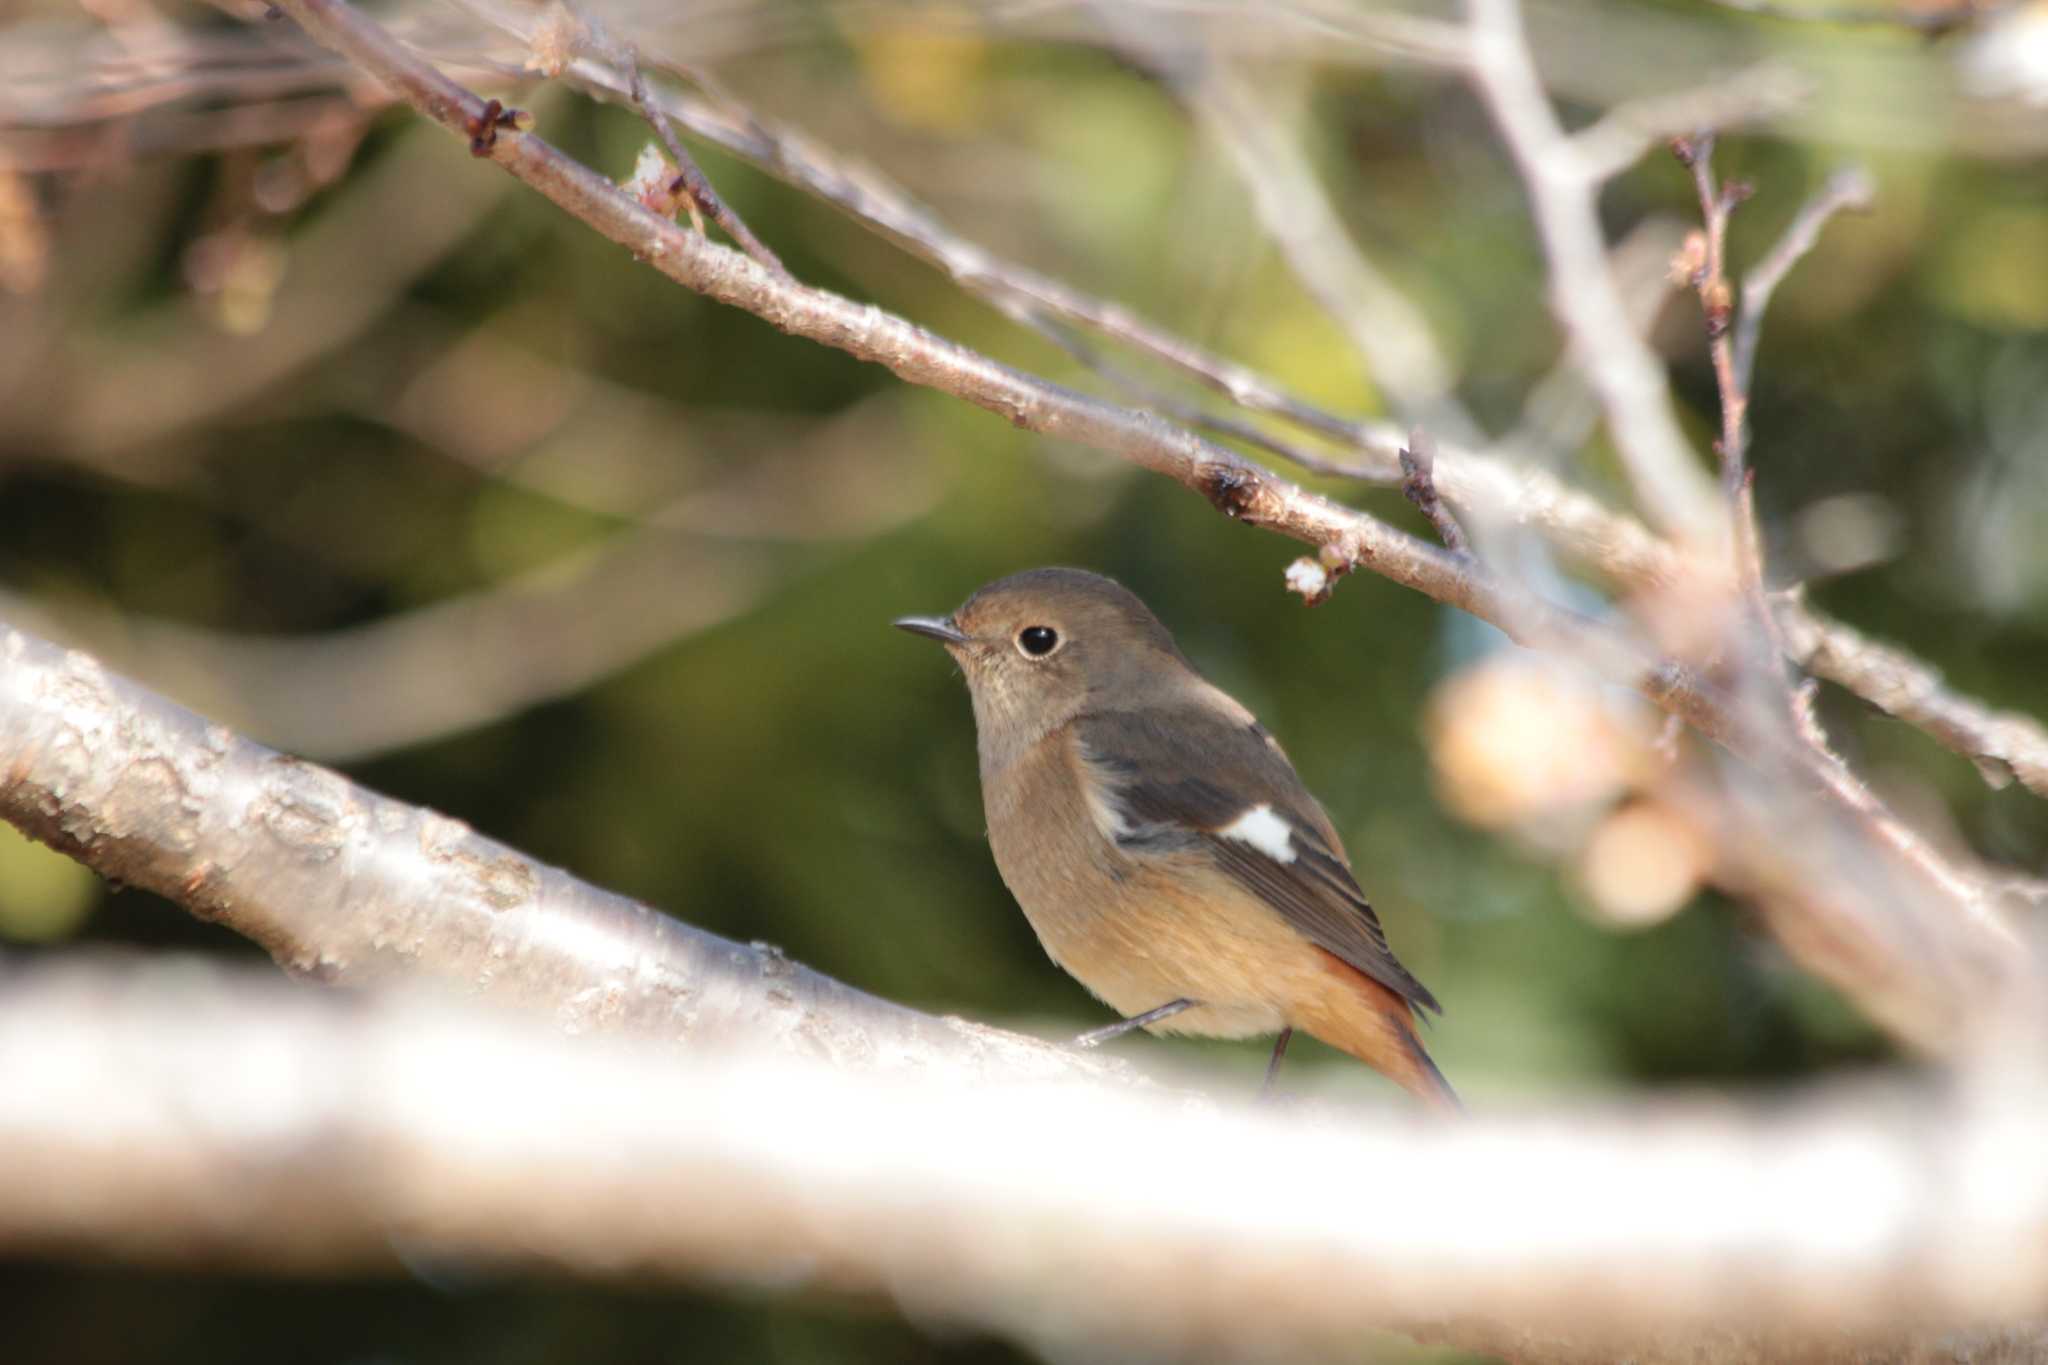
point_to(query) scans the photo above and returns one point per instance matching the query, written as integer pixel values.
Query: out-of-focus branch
(1405, 362)
(1813, 866)
(173, 1116)
(1623, 135)
(343, 885)
(174, 133)
(474, 658)
(439, 669)
(119, 404)
(1933, 19)
(1563, 187)
(1875, 95)
(1560, 412)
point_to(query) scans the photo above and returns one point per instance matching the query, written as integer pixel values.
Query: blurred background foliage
(262, 403)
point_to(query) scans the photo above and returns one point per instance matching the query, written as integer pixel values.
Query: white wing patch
(1264, 831)
(1108, 819)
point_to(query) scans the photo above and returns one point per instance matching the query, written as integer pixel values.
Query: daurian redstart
(1158, 839)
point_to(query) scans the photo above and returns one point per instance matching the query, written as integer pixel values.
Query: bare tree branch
(1626, 133)
(346, 886)
(2003, 744)
(1611, 542)
(1850, 188)
(1562, 189)
(1614, 543)
(690, 181)
(1385, 328)
(170, 1116)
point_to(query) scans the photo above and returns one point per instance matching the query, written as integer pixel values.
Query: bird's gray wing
(1188, 778)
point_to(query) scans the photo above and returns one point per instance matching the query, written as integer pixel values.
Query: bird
(1159, 840)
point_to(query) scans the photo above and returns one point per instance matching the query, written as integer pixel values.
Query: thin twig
(1848, 188)
(1142, 390)
(1385, 328)
(1763, 648)
(1718, 201)
(1717, 302)
(690, 181)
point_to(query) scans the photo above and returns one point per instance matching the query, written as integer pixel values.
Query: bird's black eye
(1038, 641)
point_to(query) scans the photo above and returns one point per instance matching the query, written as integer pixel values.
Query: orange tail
(1376, 1026)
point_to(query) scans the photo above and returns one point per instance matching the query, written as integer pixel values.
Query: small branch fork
(1732, 341)
(1883, 1224)
(1847, 189)
(1765, 649)
(1708, 254)
(690, 182)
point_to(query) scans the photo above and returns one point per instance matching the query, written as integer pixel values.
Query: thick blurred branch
(349, 887)
(174, 1116)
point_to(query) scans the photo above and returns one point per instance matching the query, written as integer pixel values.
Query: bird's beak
(940, 628)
